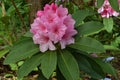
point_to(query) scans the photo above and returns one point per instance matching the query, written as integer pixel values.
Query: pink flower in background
(53, 25)
(119, 2)
(106, 10)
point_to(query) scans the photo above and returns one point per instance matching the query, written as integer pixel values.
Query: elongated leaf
(86, 66)
(48, 63)
(60, 75)
(100, 3)
(80, 15)
(68, 65)
(23, 49)
(41, 76)
(107, 68)
(3, 52)
(99, 65)
(114, 4)
(108, 24)
(110, 47)
(90, 28)
(29, 65)
(89, 45)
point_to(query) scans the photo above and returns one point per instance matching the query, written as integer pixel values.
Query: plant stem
(20, 16)
(3, 9)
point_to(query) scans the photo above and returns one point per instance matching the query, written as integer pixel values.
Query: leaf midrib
(66, 66)
(88, 46)
(24, 56)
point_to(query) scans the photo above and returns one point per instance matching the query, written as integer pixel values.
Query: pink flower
(119, 2)
(61, 12)
(40, 13)
(106, 10)
(44, 41)
(68, 38)
(53, 25)
(57, 31)
(68, 21)
(38, 26)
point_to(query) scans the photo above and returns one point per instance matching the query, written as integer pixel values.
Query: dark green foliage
(95, 35)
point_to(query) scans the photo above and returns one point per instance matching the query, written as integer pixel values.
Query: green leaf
(108, 24)
(86, 0)
(13, 67)
(3, 52)
(107, 68)
(89, 45)
(80, 15)
(68, 65)
(86, 66)
(28, 34)
(23, 49)
(41, 76)
(114, 4)
(110, 47)
(90, 28)
(48, 63)
(59, 75)
(100, 3)
(29, 65)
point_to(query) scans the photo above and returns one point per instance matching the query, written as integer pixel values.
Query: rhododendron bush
(53, 25)
(64, 41)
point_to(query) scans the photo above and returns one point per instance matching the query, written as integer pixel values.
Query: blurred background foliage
(17, 15)
(14, 22)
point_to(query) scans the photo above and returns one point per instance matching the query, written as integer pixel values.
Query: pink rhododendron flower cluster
(106, 10)
(53, 25)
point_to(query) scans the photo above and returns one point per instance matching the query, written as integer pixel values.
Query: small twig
(3, 9)
(0, 3)
(75, 4)
(20, 16)
(51, 1)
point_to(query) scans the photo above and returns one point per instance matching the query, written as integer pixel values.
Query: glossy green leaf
(89, 45)
(86, 66)
(59, 75)
(29, 65)
(110, 47)
(80, 15)
(90, 28)
(3, 52)
(48, 63)
(23, 49)
(68, 65)
(41, 76)
(100, 3)
(108, 24)
(107, 68)
(114, 4)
